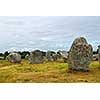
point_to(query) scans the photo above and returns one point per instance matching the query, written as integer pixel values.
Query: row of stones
(38, 56)
(78, 58)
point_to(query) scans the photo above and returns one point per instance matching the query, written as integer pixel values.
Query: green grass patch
(52, 72)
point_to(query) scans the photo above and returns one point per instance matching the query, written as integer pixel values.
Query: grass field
(49, 72)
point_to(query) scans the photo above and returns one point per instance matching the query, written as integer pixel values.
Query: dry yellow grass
(49, 72)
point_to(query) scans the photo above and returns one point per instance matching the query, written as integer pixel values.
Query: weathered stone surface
(95, 57)
(36, 57)
(80, 55)
(55, 57)
(14, 57)
(27, 57)
(64, 55)
(99, 54)
(49, 56)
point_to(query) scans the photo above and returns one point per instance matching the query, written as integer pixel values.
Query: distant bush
(1, 54)
(23, 54)
(43, 53)
(6, 54)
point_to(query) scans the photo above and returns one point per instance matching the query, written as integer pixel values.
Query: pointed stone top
(80, 40)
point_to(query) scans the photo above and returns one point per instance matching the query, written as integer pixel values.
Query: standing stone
(36, 57)
(14, 57)
(80, 55)
(64, 55)
(55, 57)
(95, 57)
(49, 56)
(99, 54)
(27, 57)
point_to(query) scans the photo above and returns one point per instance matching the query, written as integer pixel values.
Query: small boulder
(64, 55)
(14, 57)
(95, 57)
(27, 57)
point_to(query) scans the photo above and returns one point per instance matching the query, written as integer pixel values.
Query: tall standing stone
(80, 55)
(99, 54)
(36, 57)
